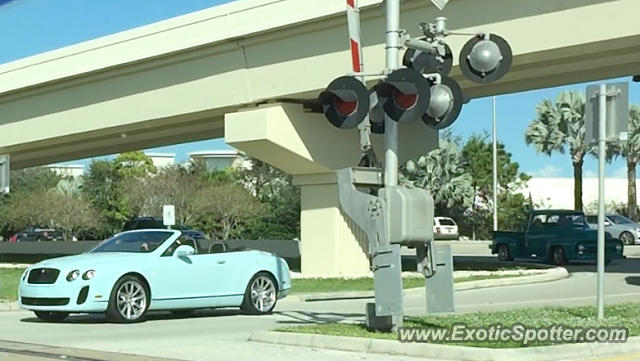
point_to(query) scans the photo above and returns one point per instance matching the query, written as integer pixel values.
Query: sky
(36, 26)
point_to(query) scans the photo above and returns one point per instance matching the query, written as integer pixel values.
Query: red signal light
(345, 108)
(405, 101)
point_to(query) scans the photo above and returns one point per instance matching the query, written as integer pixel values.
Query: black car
(143, 223)
(156, 223)
(37, 234)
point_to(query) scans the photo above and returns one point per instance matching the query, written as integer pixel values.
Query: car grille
(43, 276)
(33, 301)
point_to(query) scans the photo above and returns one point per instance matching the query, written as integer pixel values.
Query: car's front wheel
(627, 238)
(503, 253)
(557, 256)
(50, 316)
(129, 300)
(261, 295)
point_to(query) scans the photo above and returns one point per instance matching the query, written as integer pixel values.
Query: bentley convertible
(139, 271)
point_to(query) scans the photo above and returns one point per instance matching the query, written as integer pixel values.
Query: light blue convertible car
(137, 271)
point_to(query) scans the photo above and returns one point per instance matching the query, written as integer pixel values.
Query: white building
(71, 170)
(217, 159)
(161, 160)
(558, 192)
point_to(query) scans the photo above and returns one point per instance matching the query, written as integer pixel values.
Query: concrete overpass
(237, 70)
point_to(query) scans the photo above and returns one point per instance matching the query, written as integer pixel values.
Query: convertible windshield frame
(133, 242)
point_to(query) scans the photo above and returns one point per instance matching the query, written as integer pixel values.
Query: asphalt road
(222, 334)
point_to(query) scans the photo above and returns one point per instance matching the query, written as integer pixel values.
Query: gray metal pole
(495, 169)
(391, 127)
(602, 128)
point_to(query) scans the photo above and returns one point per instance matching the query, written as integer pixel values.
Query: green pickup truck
(555, 236)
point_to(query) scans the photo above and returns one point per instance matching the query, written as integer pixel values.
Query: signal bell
(485, 61)
(404, 95)
(429, 63)
(345, 102)
(445, 105)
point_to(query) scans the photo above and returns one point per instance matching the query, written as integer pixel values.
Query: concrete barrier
(31, 252)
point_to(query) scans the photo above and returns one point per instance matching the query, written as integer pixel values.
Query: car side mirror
(607, 223)
(184, 251)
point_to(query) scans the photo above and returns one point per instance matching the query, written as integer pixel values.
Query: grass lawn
(9, 279)
(310, 285)
(620, 315)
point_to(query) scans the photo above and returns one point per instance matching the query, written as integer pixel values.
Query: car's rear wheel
(627, 238)
(261, 295)
(129, 300)
(557, 256)
(504, 254)
(50, 316)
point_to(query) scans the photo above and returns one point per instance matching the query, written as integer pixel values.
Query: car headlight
(88, 274)
(637, 229)
(581, 247)
(71, 276)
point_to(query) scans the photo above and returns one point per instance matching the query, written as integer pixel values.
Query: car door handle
(222, 262)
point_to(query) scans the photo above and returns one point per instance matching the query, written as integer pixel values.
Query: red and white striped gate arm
(353, 22)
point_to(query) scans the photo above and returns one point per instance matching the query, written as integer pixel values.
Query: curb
(552, 274)
(447, 352)
(9, 306)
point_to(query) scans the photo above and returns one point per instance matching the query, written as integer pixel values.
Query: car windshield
(617, 219)
(562, 220)
(446, 222)
(133, 242)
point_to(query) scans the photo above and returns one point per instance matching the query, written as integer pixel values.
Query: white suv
(444, 228)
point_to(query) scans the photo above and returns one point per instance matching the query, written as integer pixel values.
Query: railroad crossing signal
(422, 89)
(389, 214)
(345, 102)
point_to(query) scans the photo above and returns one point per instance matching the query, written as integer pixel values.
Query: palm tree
(558, 127)
(629, 149)
(441, 172)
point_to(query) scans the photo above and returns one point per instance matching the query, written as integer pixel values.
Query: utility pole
(602, 143)
(495, 167)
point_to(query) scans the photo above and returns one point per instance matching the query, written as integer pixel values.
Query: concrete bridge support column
(331, 244)
(307, 146)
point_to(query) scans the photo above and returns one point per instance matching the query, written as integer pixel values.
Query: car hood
(89, 260)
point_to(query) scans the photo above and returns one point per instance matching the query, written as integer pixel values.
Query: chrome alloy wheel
(263, 293)
(627, 238)
(131, 300)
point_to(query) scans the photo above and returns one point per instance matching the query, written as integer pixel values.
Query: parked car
(143, 223)
(37, 234)
(192, 233)
(444, 228)
(619, 226)
(154, 269)
(555, 236)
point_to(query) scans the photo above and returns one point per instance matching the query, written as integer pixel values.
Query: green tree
(23, 183)
(226, 210)
(560, 126)
(280, 198)
(441, 172)
(174, 185)
(134, 164)
(102, 186)
(33, 179)
(512, 206)
(630, 150)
